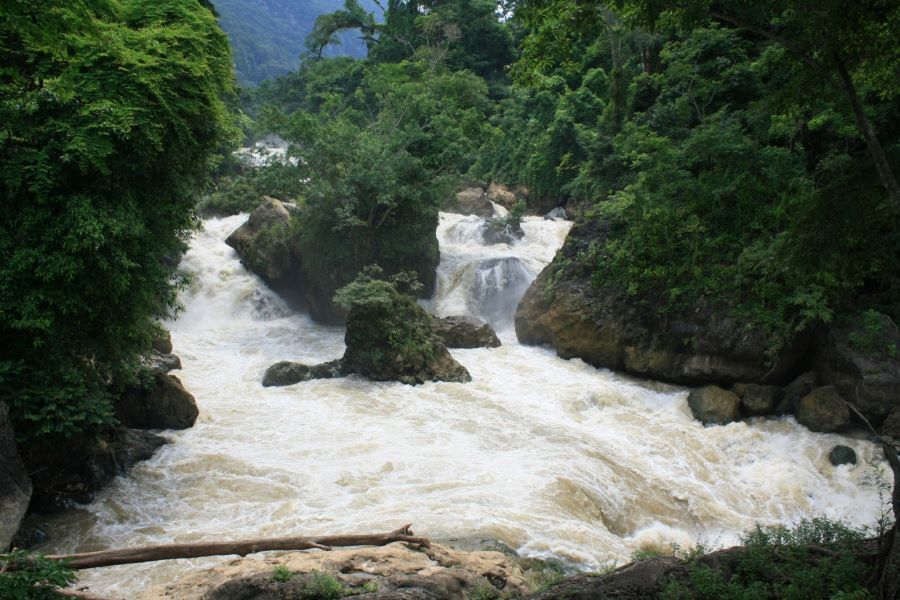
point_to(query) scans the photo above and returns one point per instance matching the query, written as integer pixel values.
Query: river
(552, 457)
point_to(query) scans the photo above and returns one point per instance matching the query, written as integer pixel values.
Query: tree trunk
(124, 556)
(888, 179)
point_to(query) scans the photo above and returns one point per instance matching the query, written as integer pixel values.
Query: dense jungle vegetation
(739, 151)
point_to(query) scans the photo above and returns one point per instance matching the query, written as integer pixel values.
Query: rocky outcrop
(608, 328)
(502, 230)
(15, 487)
(61, 479)
(261, 242)
(288, 373)
(393, 571)
(823, 410)
(464, 332)
(163, 343)
(394, 341)
(860, 359)
(557, 214)
(506, 196)
(389, 340)
(711, 405)
(792, 393)
(161, 403)
(470, 201)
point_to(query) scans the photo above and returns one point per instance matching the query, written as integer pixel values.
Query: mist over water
(552, 457)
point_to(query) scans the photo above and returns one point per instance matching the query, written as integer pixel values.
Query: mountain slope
(267, 35)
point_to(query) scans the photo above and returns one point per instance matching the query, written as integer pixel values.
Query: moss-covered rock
(392, 339)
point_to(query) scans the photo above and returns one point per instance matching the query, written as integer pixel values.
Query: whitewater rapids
(552, 457)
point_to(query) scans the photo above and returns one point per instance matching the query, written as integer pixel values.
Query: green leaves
(112, 114)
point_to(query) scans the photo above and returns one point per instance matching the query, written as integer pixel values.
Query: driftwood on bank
(124, 556)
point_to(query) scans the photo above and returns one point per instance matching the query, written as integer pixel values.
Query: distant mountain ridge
(267, 35)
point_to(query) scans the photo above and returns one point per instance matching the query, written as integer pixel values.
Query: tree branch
(124, 556)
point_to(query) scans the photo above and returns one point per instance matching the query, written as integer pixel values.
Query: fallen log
(125, 556)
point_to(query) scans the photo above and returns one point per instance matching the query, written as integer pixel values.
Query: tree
(849, 47)
(111, 114)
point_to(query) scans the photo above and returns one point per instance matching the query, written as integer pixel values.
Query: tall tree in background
(848, 47)
(111, 114)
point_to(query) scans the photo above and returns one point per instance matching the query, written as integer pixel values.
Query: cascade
(552, 457)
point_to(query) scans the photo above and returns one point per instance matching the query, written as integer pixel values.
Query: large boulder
(261, 242)
(608, 328)
(464, 332)
(792, 393)
(506, 196)
(860, 359)
(15, 487)
(395, 342)
(712, 405)
(160, 403)
(288, 373)
(823, 410)
(756, 399)
(62, 479)
(470, 201)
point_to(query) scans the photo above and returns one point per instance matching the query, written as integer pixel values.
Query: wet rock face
(260, 241)
(860, 360)
(394, 571)
(162, 404)
(756, 399)
(288, 373)
(465, 332)
(60, 480)
(842, 455)
(712, 405)
(823, 410)
(15, 487)
(607, 328)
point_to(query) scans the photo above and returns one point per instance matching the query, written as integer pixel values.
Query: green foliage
(321, 586)
(484, 591)
(282, 574)
(112, 115)
(868, 335)
(387, 331)
(783, 562)
(379, 162)
(710, 169)
(28, 575)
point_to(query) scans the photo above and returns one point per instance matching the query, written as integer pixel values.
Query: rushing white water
(552, 457)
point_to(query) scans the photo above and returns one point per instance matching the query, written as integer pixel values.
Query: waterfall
(487, 281)
(552, 457)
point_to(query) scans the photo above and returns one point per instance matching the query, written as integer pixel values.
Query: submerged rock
(87, 465)
(465, 332)
(395, 571)
(712, 405)
(161, 403)
(823, 410)
(288, 373)
(842, 455)
(607, 328)
(15, 487)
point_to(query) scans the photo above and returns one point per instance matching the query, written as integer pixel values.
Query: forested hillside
(267, 36)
